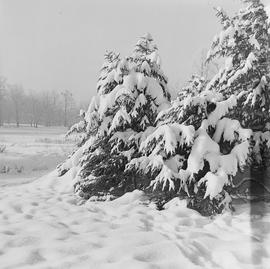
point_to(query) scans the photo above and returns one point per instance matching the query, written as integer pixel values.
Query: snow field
(43, 225)
(31, 152)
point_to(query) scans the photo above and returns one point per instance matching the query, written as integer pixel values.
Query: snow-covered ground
(31, 152)
(43, 225)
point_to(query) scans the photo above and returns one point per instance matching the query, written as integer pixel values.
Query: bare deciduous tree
(16, 93)
(49, 108)
(2, 94)
(68, 99)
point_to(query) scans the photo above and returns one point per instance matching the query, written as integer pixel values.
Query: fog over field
(62, 42)
(135, 134)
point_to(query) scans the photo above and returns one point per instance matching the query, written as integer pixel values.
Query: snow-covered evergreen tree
(166, 148)
(193, 146)
(244, 42)
(245, 45)
(199, 144)
(91, 125)
(195, 150)
(131, 92)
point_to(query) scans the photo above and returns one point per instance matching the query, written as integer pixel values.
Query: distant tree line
(49, 108)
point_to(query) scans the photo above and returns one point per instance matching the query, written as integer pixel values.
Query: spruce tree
(245, 45)
(195, 150)
(91, 125)
(205, 138)
(130, 94)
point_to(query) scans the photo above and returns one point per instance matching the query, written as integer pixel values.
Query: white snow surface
(31, 152)
(43, 225)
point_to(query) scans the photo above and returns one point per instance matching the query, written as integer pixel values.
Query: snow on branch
(222, 108)
(227, 129)
(214, 183)
(165, 176)
(257, 93)
(203, 144)
(245, 67)
(162, 143)
(167, 137)
(222, 166)
(121, 117)
(167, 170)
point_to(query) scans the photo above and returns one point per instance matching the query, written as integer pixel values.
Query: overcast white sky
(59, 44)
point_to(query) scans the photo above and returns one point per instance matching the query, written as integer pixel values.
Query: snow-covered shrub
(2, 148)
(4, 169)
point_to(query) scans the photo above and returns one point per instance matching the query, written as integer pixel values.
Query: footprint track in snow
(48, 229)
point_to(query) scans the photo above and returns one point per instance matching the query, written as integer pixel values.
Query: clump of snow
(221, 166)
(244, 69)
(222, 108)
(169, 136)
(162, 142)
(214, 183)
(228, 128)
(202, 146)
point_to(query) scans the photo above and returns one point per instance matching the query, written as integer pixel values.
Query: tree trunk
(17, 117)
(1, 121)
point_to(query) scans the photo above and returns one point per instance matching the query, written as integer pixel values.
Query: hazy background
(59, 44)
